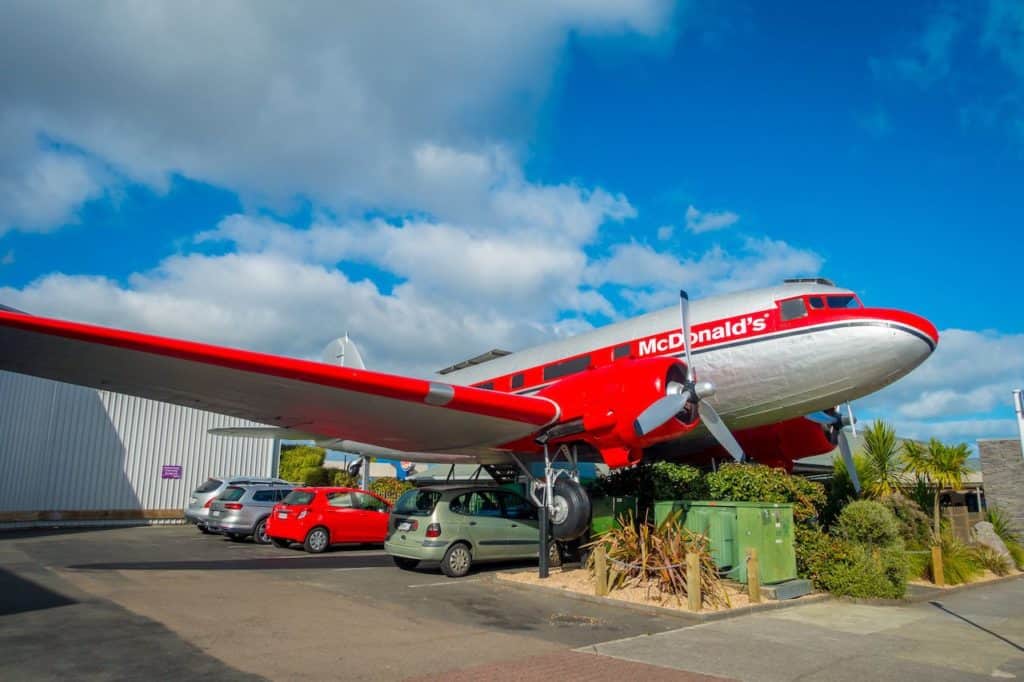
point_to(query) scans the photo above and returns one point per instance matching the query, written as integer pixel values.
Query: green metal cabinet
(606, 511)
(734, 527)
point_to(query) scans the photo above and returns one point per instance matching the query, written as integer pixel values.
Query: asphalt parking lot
(166, 601)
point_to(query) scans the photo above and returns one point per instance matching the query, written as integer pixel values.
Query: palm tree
(942, 466)
(882, 460)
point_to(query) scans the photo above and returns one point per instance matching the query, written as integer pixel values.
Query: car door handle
(472, 523)
(515, 525)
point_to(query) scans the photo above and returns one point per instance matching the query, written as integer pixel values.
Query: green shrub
(1008, 532)
(915, 525)
(342, 479)
(313, 476)
(959, 562)
(390, 488)
(1017, 553)
(295, 459)
(849, 569)
(868, 523)
(759, 483)
(677, 482)
(989, 559)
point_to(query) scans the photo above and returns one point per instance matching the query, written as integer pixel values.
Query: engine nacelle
(599, 407)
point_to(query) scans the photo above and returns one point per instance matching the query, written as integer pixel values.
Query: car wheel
(236, 537)
(203, 529)
(280, 542)
(259, 533)
(571, 515)
(405, 564)
(317, 540)
(457, 560)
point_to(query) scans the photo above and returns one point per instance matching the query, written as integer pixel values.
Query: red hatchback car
(321, 517)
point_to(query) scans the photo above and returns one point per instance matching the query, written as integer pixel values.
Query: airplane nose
(920, 336)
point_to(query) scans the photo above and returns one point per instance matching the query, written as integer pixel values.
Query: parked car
(321, 517)
(461, 526)
(198, 509)
(242, 510)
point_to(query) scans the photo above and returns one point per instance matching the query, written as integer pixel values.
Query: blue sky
(440, 183)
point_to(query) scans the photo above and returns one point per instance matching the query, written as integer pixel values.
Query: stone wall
(1003, 470)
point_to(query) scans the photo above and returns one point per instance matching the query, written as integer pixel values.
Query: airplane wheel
(571, 515)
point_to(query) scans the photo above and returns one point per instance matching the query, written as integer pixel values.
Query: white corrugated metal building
(74, 454)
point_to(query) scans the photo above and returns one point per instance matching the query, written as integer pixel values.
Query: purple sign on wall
(170, 471)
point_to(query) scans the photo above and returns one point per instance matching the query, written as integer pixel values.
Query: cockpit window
(793, 309)
(816, 302)
(845, 301)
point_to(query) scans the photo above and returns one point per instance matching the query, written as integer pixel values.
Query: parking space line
(446, 582)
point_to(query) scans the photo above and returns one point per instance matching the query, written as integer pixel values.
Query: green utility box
(734, 527)
(606, 511)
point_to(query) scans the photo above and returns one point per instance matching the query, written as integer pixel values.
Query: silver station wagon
(242, 510)
(461, 526)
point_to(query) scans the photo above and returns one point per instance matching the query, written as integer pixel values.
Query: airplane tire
(573, 504)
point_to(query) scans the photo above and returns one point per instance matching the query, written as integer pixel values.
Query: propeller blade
(851, 468)
(659, 412)
(684, 314)
(823, 418)
(853, 420)
(719, 430)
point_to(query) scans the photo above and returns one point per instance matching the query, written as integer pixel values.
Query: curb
(694, 618)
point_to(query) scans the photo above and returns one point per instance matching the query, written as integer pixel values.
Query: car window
(209, 486)
(478, 503)
(299, 497)
(282, 494)
(264, 496)
(368, 502)
(417, 502)
(232, 493)
(339, 499)
(515, 507)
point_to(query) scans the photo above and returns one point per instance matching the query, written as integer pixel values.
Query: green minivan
(458, 526)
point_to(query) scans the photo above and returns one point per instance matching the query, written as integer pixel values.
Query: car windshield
(232, 493)
(209, 486)
(417, 502)
(299, 497)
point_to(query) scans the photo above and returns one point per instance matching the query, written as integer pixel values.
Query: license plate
(215, 512)
(282, 515)
(405, 526)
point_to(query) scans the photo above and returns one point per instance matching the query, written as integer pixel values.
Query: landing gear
(563, 504)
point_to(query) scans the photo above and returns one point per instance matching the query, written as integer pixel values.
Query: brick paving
(566, 666)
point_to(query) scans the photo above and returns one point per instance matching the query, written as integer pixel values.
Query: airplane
(759, 379)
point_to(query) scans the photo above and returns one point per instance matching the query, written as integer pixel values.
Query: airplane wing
(393, 412)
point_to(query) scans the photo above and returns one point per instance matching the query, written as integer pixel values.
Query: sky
(439, 179)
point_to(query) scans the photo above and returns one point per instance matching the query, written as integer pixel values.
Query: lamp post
(1018, 404)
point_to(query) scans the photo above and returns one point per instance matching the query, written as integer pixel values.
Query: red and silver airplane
(760, 379)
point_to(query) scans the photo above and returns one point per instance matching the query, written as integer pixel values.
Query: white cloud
(963, 389)
(353, 105)
(665, 232)
(928, 58)
(706, 221)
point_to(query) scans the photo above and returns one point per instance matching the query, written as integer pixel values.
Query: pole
(1018, 404)
(545, 530)
(364, 474)
(693, 595)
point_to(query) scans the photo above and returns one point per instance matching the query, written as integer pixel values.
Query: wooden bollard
(937, 575)
(694, 599)
(753, 577)
(600, 571)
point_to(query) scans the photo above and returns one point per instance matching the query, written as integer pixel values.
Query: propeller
(677, 395)
(839, 435)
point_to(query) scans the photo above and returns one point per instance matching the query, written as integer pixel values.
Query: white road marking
(446, 582)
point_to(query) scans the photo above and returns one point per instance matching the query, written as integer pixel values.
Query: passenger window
(620, 351)
(566, 368)
(480, 503)
(518, 380)
(339, 500)
(516, 507)
(793, 309)
(368, 502)
(816, 302)
(264, 496)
